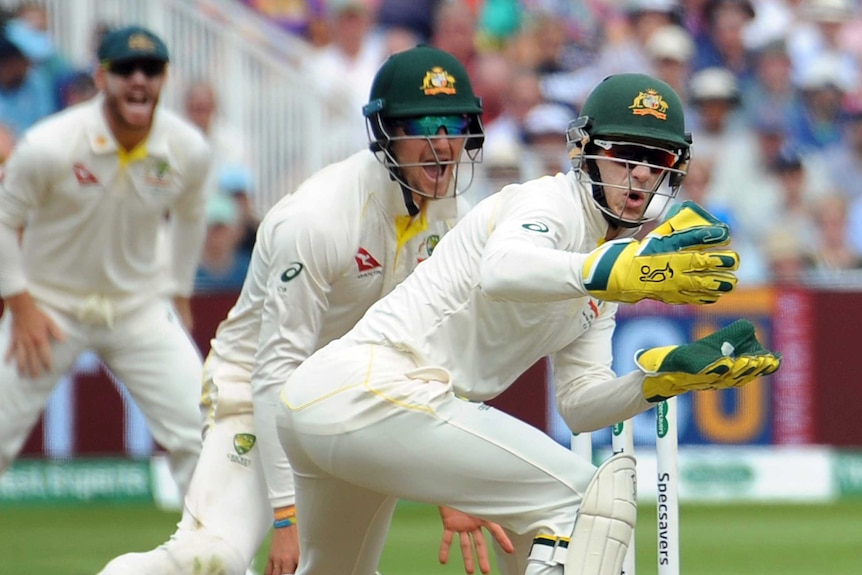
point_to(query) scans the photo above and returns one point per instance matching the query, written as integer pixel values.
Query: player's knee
(186, 552)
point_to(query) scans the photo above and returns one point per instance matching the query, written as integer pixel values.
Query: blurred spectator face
(773, 72)
(695, 187)
(854, 133)
(714, 113)
(350, 25)
(729, 21)
(524, 93)
(493, 79)
(79, 89)
(35, 15)
(454, 30)
(645, 23)
(200, 106)
(13, 70)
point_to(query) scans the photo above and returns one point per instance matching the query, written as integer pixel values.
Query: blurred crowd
(772, 89)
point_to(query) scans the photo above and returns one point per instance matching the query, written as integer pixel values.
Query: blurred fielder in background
(323, 255)
(391, 410)
(90, 187)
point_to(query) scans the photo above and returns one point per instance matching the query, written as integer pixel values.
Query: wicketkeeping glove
(730, 357)
(675, 263)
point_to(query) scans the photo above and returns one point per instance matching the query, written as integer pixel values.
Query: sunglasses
(430, 125)
(641, 153)
(125, 68)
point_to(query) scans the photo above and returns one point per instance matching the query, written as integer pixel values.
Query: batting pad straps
(549, 550)
(606, 520)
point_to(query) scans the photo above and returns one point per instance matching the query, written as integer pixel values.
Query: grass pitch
(716, 540)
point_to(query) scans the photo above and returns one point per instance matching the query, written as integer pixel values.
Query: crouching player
(392, 410)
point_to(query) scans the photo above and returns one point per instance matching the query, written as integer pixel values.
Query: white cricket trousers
(148, 351)
(363, 426)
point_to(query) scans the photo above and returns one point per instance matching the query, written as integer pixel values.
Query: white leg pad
(606, 520)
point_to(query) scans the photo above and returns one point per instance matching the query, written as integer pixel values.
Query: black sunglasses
(125, 68)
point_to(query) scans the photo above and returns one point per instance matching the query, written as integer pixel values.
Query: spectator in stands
(200, 106)
(454, 31)
(670, 49)
(416, 16)
(715, 123)
(341, 73)
(723, 43)
(78, 87)
(842, 164)
(32, 19)
(26, 92)
(545, 138)
(822, 122)
(235, 182)
(834, 252)
(818, 34)
(223, 265)
(622, 50)
(772, 88)
(525, 92)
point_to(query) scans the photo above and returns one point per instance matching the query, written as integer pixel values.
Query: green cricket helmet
(635, 120)
(416, 94)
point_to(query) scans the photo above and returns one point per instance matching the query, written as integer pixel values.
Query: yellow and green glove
(730, 357)
(675, 263)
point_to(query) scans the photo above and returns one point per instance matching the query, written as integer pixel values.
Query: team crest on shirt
(427, 247)
(649, 103)
(438, 81)
(159, 174)
(242, 444)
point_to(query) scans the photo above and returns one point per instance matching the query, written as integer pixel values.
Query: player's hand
(469, 529)
(283, 551)
(676, 263)
(730, 357)
(32, 335)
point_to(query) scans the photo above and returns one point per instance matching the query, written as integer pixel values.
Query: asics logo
(651, 275)
(291, 272)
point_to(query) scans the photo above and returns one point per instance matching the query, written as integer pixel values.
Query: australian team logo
(431, 243)
(159, 174)
(438, 81)
(242, 444)
(141, 43)
(649, 103)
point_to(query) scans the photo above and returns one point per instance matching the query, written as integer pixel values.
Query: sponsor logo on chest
(366, 264)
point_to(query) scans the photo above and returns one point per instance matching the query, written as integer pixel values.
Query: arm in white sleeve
(22, 188)
(295, 302)
(525, 257)
(589, 396)
(188, 222)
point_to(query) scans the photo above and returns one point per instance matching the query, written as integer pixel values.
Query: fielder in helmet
(323, 255)
(423, 122)
(631, 146)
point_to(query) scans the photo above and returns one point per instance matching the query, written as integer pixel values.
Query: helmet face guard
(385, 133)
(414, 94)
(633, 120)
